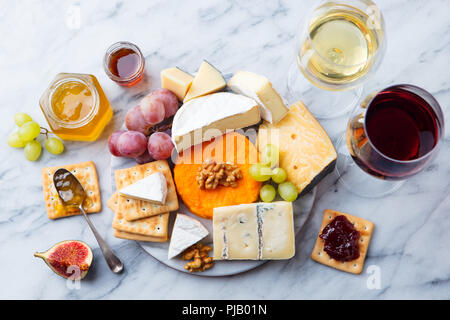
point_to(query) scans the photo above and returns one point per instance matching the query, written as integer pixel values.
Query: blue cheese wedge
(186, 232)
(256, 231)
(152, 188)
(207, 117)
(259, 89)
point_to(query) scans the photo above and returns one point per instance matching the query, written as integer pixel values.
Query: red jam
(341, 239)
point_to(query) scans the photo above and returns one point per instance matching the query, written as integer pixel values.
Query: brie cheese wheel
(256, 231)
(210, 116)
(186, 232)
(260, 89)
(208, 80)
(152, 188)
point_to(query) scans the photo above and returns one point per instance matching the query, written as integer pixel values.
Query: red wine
(402, 125)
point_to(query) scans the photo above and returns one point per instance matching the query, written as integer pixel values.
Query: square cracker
(86, 173)
(152, 227)
(364, 227)
(137, 237)
(133, 209)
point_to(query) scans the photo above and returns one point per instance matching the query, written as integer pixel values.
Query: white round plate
(302, 210)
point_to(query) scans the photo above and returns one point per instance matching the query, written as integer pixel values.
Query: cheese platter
(231, 103)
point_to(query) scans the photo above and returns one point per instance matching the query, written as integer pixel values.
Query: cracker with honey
(112, 204)
(365, 229)
(86, 173)
(133, 209)
(155, 227)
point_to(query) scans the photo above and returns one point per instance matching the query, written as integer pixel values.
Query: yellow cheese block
(208, 80)
(177, 81)
(306, 152)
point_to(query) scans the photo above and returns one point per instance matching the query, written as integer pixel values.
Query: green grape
(54, 146)
(21, 118)
(29, 130)
(267, 193)
(287, 191)
(279, 175)
(269, 155)
(15, 141)
(32, 150)
(259, 172)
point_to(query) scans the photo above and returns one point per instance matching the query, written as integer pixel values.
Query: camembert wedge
(152, 188)
(208, 80)
(256, 231)
(207, 117)
(177, 81)
(260, 89)
(186, 232)
(306, 152)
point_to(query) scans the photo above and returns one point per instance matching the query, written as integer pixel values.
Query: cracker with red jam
(343, 241)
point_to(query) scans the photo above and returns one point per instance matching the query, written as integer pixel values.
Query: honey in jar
(124, 63)
(76, 107)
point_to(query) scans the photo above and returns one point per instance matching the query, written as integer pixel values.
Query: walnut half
(212, 174)
(199, 253)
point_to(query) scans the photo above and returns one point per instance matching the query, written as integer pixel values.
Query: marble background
(411, 241)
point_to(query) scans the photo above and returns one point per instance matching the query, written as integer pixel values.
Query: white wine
(339, 47)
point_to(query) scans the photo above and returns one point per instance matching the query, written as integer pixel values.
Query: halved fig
(70, 258)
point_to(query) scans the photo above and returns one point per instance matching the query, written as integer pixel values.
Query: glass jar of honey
(75, 106)
(124, 63)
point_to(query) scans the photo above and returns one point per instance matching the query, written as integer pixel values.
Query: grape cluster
(263, 171)
(25, 137)
(142, 141)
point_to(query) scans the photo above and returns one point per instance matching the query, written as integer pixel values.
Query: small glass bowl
(135, 77)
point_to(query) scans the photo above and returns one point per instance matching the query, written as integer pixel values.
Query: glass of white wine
(341, 44)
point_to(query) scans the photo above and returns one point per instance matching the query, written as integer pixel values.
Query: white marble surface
(411, 241)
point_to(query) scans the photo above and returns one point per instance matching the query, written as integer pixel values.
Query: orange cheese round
(232, 148)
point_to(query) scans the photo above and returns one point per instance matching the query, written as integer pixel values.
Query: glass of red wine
(392, 135)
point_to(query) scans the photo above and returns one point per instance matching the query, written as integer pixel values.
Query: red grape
(131, 144)
(152, 109)
(169, 99)
(160, 146)
(134, 121)
(112, 142)
(144, 158)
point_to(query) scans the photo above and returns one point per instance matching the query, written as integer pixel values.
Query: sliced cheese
(260, 89)
(207, 117)
(208, 80)
(152, 188)
(177, 81)
(186, 232)
(306, 152)
(256, 231)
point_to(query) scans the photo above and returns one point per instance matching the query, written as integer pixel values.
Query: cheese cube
(260, 89)
(256, 231)
(208, 80)
(177, 81)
